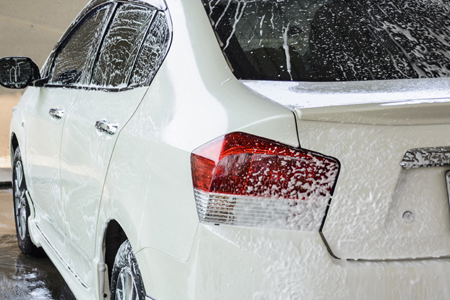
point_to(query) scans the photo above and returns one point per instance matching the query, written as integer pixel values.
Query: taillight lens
(242, 179)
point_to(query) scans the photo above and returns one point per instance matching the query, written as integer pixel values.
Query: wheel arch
(14, 143)
(114, 236)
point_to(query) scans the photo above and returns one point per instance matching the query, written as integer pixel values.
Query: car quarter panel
(193, 99)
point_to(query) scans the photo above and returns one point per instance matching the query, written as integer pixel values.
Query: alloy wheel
(126, 288)
(20, 200)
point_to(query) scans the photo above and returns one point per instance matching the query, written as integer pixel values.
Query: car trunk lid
(380, 209)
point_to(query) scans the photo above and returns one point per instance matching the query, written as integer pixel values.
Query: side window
(153, 51)
(121, 46)
(73, 62)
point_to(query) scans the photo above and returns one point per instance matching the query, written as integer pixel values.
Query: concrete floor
(22, 276)
(7, 226)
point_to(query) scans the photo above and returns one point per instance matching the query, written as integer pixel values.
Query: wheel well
(14, 144)
(114, 237)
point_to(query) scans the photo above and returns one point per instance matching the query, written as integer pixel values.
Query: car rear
(368, 85)
(365, 121)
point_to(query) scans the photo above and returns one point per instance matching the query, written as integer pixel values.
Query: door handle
(108, 127)
(56, 113)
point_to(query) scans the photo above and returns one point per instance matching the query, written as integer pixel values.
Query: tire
(21, 208)
(126, 280)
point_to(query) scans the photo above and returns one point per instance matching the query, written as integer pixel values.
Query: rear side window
(153, 51)
(74, 59)
(121, 46)
(333, 40)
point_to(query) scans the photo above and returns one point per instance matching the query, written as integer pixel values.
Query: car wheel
(126, 280)
(22, 209)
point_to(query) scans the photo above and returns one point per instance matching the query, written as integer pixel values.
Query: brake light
(242, 179)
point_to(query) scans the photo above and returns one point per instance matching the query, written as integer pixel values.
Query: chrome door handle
(108, 127)
(56, 113)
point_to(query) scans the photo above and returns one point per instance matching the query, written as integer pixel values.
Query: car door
(94, 124)
(46, 118)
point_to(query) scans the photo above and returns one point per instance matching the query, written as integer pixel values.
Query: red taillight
(243, 179)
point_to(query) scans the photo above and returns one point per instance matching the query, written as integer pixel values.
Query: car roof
(159, 4)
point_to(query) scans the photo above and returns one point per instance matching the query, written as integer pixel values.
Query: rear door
(119, 82)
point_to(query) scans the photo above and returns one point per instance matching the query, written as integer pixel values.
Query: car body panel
(141, 178)
(17, 126)
(152, 155)
(373, 192)
(348, 94)
(85, 155)
(280, 264)
(48, 242)
(369, 126)
(408, 112)
(43, 148)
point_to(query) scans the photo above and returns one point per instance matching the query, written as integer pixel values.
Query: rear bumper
(251, 263)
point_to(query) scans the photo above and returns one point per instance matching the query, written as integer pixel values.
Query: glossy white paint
(85, 154)
(141, 177)
(374, 191)
(181, 111)
(331, 94)
(43, 134)
(276, 264)
(17, 126)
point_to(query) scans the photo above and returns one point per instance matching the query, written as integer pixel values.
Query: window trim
(97, 57)
(68, 37)
(155, 4)
(141, 46)
(163, 57)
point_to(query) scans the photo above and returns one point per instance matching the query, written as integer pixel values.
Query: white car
(229, 149)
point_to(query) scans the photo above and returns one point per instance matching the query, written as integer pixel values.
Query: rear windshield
(326, 40)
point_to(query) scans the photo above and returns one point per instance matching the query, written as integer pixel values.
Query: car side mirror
(18, 72)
